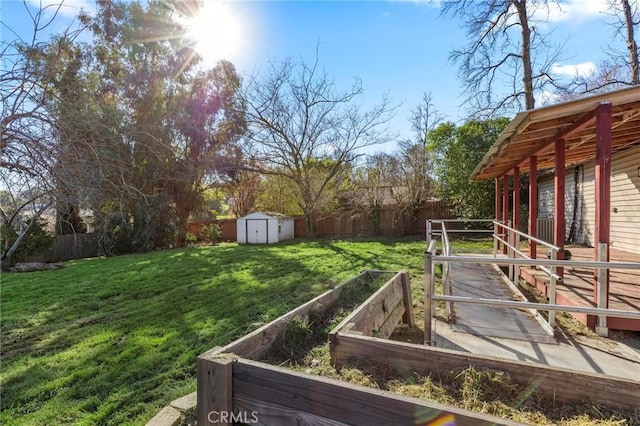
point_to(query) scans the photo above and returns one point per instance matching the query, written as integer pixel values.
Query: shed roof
(534, 132)
(265, 215)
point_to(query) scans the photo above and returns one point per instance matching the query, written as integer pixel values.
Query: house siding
(625, 201)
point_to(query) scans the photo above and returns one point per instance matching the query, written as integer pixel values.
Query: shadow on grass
(112, 340)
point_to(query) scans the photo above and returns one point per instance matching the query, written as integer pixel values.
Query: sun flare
(216, 31)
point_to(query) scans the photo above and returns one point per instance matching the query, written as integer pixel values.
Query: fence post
(601, 291)
(428, 231)
(552, 289)
(214, 382)
(428, 301)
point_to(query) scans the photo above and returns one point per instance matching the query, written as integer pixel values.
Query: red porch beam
(516, 197)
(498, 215)
(533, 204)
(603, 191)
(558, 201)
(505, 204)
(497, 205)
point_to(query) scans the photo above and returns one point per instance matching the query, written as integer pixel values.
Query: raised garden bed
(285, 373)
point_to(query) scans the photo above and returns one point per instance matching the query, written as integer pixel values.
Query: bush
(34, 243)
(211, 233)
(190, 238)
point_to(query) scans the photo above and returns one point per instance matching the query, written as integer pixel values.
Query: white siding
(545, 198)
(625, 201)
(286, 229)
(241, 230)
(546, 204)
(588, 189)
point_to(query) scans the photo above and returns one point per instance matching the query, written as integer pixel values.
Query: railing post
(428, 231)
(510, 236)
(428, 301)
(552, 289)
(601, 291)
(516, 273)
(495, 238)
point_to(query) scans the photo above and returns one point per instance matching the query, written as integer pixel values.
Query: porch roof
(534, 132)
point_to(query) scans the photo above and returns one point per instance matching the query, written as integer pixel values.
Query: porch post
(498, 215)
(515, 240)
(505, 206)
(516, 197)
(603, 208)
(497, 200)
(558, 203)
(533, 204)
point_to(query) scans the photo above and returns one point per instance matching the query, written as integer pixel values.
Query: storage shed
(264, 228)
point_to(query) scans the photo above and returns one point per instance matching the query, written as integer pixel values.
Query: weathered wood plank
(373, 312)
(214, 381)
(409, 317)
(264, 413)
(256, 343)
(340, 401)
(390, 323)
(562, 384)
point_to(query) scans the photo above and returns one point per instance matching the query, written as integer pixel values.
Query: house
(593, 195)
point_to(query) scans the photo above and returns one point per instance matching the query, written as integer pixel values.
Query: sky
(396, 47)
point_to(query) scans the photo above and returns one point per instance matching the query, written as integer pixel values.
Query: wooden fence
(391, 221)
(228, 228)
(68, 247)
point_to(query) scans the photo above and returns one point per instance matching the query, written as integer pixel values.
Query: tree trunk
(310, 222)
(527, 73)
(5, 260)
(631, 44)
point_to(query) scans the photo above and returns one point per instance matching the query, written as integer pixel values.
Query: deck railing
(514, 260)
(512, 245)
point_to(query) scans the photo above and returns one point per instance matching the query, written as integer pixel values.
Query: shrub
(34, 243)
(190, 238)
(211, 233)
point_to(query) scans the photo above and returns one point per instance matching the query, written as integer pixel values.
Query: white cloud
(570, 10)
(68, 8)
(432, 3)
(583, 69)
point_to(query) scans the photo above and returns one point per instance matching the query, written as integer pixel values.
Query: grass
(112, 340)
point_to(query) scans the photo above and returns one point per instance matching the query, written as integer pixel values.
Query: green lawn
(111, 341)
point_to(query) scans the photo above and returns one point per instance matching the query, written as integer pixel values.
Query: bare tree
(626, 17)
(621, 68)
(497, 66)
(29, 127)
(244, 190)
(302, 128)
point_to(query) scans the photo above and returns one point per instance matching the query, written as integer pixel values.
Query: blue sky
(397, 47)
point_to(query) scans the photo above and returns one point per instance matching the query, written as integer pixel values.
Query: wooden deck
(577, 289)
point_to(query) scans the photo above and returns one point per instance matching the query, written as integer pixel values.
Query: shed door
(257, 231)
